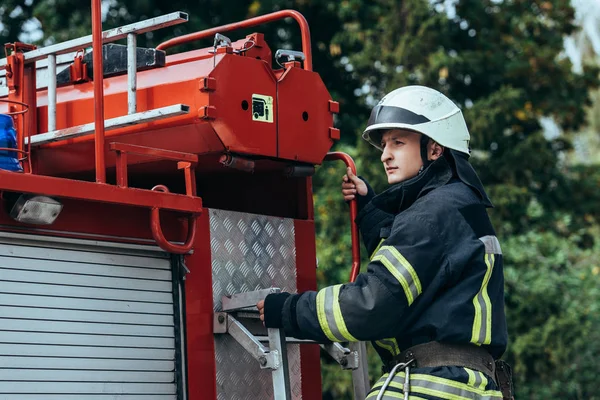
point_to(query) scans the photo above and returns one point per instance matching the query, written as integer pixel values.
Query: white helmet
(422, 110)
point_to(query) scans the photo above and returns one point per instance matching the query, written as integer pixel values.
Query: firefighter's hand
(352, 184)
(261, 310)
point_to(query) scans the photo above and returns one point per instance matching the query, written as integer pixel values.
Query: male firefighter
(432, 299)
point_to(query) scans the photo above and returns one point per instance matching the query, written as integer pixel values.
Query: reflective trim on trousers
(441, 388)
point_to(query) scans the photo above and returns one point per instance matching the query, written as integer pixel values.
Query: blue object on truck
(8, 140)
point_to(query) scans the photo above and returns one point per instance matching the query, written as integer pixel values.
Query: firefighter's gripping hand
(352, 184)
(261, 310)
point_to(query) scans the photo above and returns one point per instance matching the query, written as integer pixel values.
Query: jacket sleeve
(370, 308)
(362, 201)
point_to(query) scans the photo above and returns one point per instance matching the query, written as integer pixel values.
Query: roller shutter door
(83, 320)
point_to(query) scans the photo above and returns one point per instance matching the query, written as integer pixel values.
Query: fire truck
(149, 201)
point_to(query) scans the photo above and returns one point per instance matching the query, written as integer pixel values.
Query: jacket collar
(402, 195)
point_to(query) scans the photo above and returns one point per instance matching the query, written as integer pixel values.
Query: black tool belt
(435, 354)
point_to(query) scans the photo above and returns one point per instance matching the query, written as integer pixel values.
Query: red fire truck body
(200, 188)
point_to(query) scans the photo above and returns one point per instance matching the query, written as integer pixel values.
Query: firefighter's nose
(385, 155)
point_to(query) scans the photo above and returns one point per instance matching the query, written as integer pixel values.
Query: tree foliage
(502, 63)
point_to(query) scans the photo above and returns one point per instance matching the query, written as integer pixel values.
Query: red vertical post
(98, 90)
(121, 167)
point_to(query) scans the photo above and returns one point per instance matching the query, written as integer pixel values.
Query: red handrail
(337, 155)
(163, 243)
(158, 235)
(304, 31)
(98, 90)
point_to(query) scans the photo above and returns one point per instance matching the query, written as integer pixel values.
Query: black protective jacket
(435, 274)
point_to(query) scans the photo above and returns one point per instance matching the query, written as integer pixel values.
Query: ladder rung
(110, 124)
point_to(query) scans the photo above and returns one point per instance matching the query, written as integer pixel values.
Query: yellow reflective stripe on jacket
(446, 389)
(390, 345)
(322, 316)
(484, 380)
(337, 314)
(330, 315)
(401, 269)
(482, 324)
(377, 249)
(472, 377)
(476, 378)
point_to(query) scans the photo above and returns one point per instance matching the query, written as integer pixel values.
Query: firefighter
(432, 299)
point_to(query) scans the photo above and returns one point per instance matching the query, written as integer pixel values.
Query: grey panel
(86, 376)
(14, 275)
(87, 322)
(85, 388)
(86, 304)
(86, 340)
(87, 364)
(34, 350)
(250, 252)
(85, 316)
(51, 253)
(84, 292)
(81, 268)
(90, 397)
(85, 328)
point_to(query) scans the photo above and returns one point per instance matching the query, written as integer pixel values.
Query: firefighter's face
(401, 155)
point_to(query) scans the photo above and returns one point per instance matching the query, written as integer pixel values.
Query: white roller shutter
(85, 320)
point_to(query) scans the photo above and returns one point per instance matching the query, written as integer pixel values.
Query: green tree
(501, 62)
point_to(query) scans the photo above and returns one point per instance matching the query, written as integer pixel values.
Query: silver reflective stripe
(492, 245)
(403, 269)
(478, 379)
(329, 314)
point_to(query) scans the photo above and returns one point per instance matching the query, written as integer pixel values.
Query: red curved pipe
(304, 31)
(338, 155)
(163, 243)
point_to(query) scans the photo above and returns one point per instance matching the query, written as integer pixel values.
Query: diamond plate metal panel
(250, 252)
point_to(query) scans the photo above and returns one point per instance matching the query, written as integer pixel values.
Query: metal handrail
(338, 155)
(263, 19)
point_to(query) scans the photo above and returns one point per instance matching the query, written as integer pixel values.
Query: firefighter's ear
(434, 150)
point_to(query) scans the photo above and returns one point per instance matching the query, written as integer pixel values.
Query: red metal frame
(186, 162)
(337, 155)
(263, 19)
(90, 191)
(21, 81)
(98, 90)
(15, 102)
(110, 214)
(157, 232)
